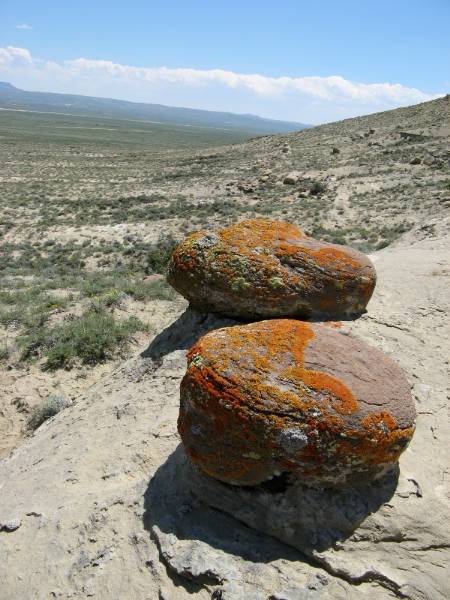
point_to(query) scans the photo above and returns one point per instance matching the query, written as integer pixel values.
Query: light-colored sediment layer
(80, 515)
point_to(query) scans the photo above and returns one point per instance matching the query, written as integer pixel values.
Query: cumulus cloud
(11, 55)
(323, 88)
(24, 26)
(302, 98)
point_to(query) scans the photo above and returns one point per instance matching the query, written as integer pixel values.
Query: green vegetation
(46, 328)
(90, 206)
(92, 338)
(56, 259)
(120, 286)
(28, 308)
(317, 188)
(65, 130)
(51, 407)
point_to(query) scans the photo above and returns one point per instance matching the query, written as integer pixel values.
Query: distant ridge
(15, 98)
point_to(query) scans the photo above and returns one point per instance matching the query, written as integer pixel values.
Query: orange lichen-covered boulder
(262, 268)
(283, 395)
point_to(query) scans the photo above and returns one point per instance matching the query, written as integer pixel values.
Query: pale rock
(399, 551)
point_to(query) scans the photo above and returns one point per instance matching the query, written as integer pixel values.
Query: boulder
(430, 160)
(248, 187)
(263, 268)
(153, 277)
(289, 398)
(292, 178)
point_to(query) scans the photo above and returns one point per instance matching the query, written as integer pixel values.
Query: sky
(308, 61)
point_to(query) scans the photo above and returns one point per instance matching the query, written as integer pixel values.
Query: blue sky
(308, 61)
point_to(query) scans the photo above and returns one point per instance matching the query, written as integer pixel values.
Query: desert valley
(94, 493)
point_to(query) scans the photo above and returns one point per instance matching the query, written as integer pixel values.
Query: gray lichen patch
(292, 440)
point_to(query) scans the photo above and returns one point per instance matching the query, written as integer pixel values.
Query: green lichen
(241, 263)
(276, 283)
(239, 284)
(253, 455)
(197, 361)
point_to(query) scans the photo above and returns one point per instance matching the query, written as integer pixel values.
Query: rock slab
(309, 519)
(105, 510)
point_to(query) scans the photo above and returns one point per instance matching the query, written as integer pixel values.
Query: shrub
(317, 188)
(30, 307)
(119, 286)
(149, 290)
(111, 299)
(92, 338)
(51, 407)
(158, 256)
(382, 244)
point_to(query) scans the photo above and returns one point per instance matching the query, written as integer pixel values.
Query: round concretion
(262, 268)
(283, 395)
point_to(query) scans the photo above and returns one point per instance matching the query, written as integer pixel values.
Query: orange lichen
(234, 401)
(260, 233)
(283, 239)
(300, 335)
(281, 336)
(270, 268)
(336, 257)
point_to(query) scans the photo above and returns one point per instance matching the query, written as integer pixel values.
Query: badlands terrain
(92, 499)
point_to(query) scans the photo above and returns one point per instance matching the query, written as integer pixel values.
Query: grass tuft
(92, 338)
(51, 407)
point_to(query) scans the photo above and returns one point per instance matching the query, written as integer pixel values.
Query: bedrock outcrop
(263, 268)
(288, 397)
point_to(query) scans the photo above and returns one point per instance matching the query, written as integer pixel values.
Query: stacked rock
(264, 269)
(288, 396)
(285, 396)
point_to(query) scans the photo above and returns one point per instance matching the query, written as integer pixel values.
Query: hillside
(96, 505)
(100, 108)
(93, 499)
(83, 218)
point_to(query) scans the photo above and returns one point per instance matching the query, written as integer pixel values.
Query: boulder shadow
(187, 512)
(182, 525)
(192, 324)
(184, 332)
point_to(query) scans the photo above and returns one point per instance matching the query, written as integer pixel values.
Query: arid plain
(88, 221)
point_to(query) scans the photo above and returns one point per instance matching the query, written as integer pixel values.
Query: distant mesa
(261, 268)
(90, 106)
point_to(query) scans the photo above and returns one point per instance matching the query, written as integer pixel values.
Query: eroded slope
(86, 520)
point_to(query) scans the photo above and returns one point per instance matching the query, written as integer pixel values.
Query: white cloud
(24, 26)
(11, 55)
(323, 88)
(310, 99)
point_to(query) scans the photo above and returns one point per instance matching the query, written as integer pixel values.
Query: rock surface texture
(284, 396)
(310, 519)
(262, 268)
(105, 512)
